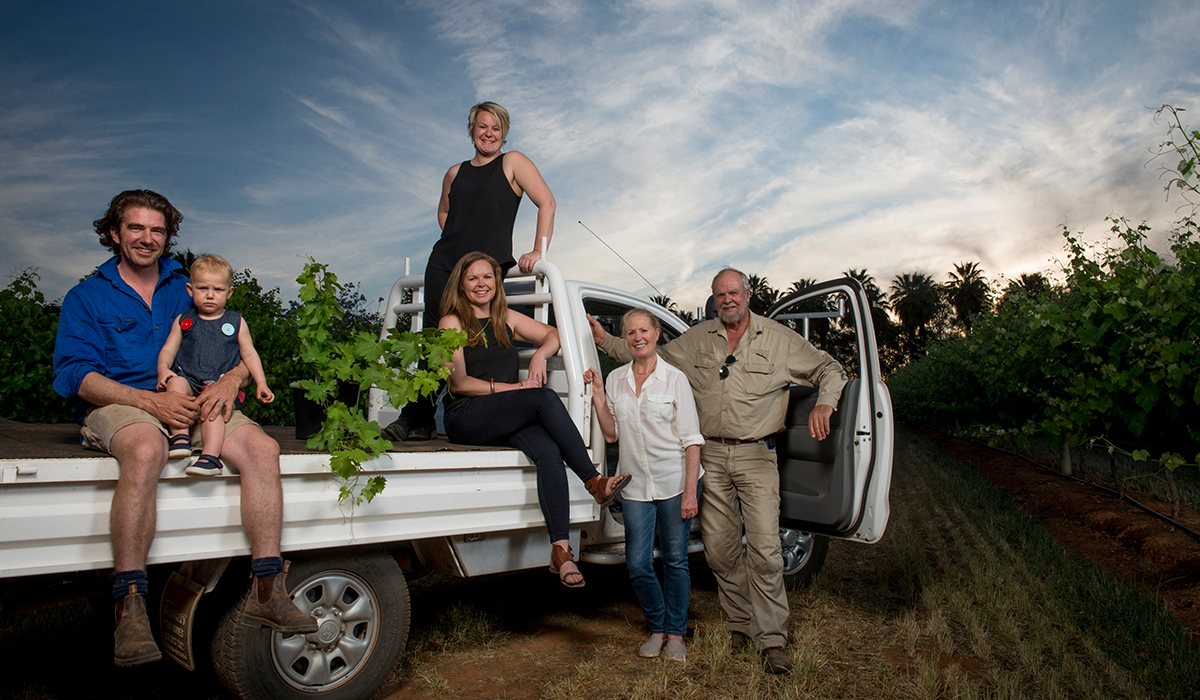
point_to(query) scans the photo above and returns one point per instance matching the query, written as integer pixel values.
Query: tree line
(1109, 356)
(917, 312)
(914, 313)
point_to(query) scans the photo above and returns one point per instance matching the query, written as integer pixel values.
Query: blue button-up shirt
(106, 327)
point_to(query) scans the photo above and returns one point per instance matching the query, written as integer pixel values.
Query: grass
(967, 596)
(996, 586)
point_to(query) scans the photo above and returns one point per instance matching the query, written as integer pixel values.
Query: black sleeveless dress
(483, 209)
(491, 363)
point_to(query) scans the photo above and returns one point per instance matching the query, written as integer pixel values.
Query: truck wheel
(361, 602)
(803, 556)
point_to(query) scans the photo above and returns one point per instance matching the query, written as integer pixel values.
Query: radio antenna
(631, 267)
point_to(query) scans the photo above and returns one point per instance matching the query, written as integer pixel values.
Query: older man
(112, 326)
(739, 366)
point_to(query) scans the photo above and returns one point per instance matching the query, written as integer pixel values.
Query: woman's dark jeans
(535, 422)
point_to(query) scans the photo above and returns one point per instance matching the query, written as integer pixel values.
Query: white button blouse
(654, 429)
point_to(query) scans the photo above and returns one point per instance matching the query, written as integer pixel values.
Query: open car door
(837, 486)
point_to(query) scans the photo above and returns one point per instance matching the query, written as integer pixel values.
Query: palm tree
(968, 292)
(818, 327)
(761, 294)
(1029, 285)
(665, 301)
(916, 299)
(884, 326)
(185, 258)
(688, 317)
(800, 285)
(875, 295)
(1034, 284)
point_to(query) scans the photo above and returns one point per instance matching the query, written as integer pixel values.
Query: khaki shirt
(751, 403)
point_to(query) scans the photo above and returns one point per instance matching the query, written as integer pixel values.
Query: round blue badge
(227, 329)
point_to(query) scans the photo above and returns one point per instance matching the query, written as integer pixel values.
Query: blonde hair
(500, 113)
(455, 302)
(212, 263)
(640, 312)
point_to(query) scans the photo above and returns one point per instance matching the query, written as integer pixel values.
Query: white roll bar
(549, 286)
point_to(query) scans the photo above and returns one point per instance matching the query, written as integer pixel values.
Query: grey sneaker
(652, 647)
(675, 650)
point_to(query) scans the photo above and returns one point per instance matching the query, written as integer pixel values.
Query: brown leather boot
(599, 487)
(776, 660)
(133, 643)
(268, 605)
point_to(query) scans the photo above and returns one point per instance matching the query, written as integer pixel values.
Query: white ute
(461, 510)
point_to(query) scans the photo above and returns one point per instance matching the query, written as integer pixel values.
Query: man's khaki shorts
(103, 422)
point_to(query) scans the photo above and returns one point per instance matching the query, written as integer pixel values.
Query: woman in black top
(489, 404)
(477, 211)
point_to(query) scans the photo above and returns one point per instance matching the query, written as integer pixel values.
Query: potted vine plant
(389, 364)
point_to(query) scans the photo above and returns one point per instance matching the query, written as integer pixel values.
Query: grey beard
(731, 316)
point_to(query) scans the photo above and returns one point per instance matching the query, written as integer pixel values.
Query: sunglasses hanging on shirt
(724, 372)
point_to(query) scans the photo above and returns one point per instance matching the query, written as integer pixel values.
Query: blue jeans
(665, 613)
(535, 422)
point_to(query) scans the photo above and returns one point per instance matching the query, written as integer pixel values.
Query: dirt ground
(605, 623)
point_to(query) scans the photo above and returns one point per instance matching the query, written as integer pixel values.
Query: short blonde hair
(640, 312)
(500, 113)
(212, 263)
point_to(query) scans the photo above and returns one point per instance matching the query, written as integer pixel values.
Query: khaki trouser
(741, 488)
(103, 422)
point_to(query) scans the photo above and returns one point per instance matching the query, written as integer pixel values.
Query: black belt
(731, 441)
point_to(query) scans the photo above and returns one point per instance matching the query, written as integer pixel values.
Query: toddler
(205, 343)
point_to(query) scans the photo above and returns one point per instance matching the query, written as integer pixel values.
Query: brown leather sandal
(606, 488)
(559, 557)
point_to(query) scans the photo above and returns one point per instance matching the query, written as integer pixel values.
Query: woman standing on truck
(477, 211)
(489, 404)
(653, 405)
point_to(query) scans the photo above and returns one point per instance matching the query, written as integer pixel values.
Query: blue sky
(791, 140)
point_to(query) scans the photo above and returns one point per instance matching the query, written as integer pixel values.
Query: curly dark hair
(144, 199)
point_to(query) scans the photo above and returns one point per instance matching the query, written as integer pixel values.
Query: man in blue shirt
(110, 331)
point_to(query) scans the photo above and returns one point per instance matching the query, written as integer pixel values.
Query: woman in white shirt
(651, 403)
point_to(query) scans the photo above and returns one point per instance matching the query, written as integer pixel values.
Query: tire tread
(241, 655)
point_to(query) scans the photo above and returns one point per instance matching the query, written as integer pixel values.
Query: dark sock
(266, 567)
(121, 580)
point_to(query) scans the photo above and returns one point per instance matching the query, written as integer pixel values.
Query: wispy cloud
(789, 139)
(378, 47)
(716, 134)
